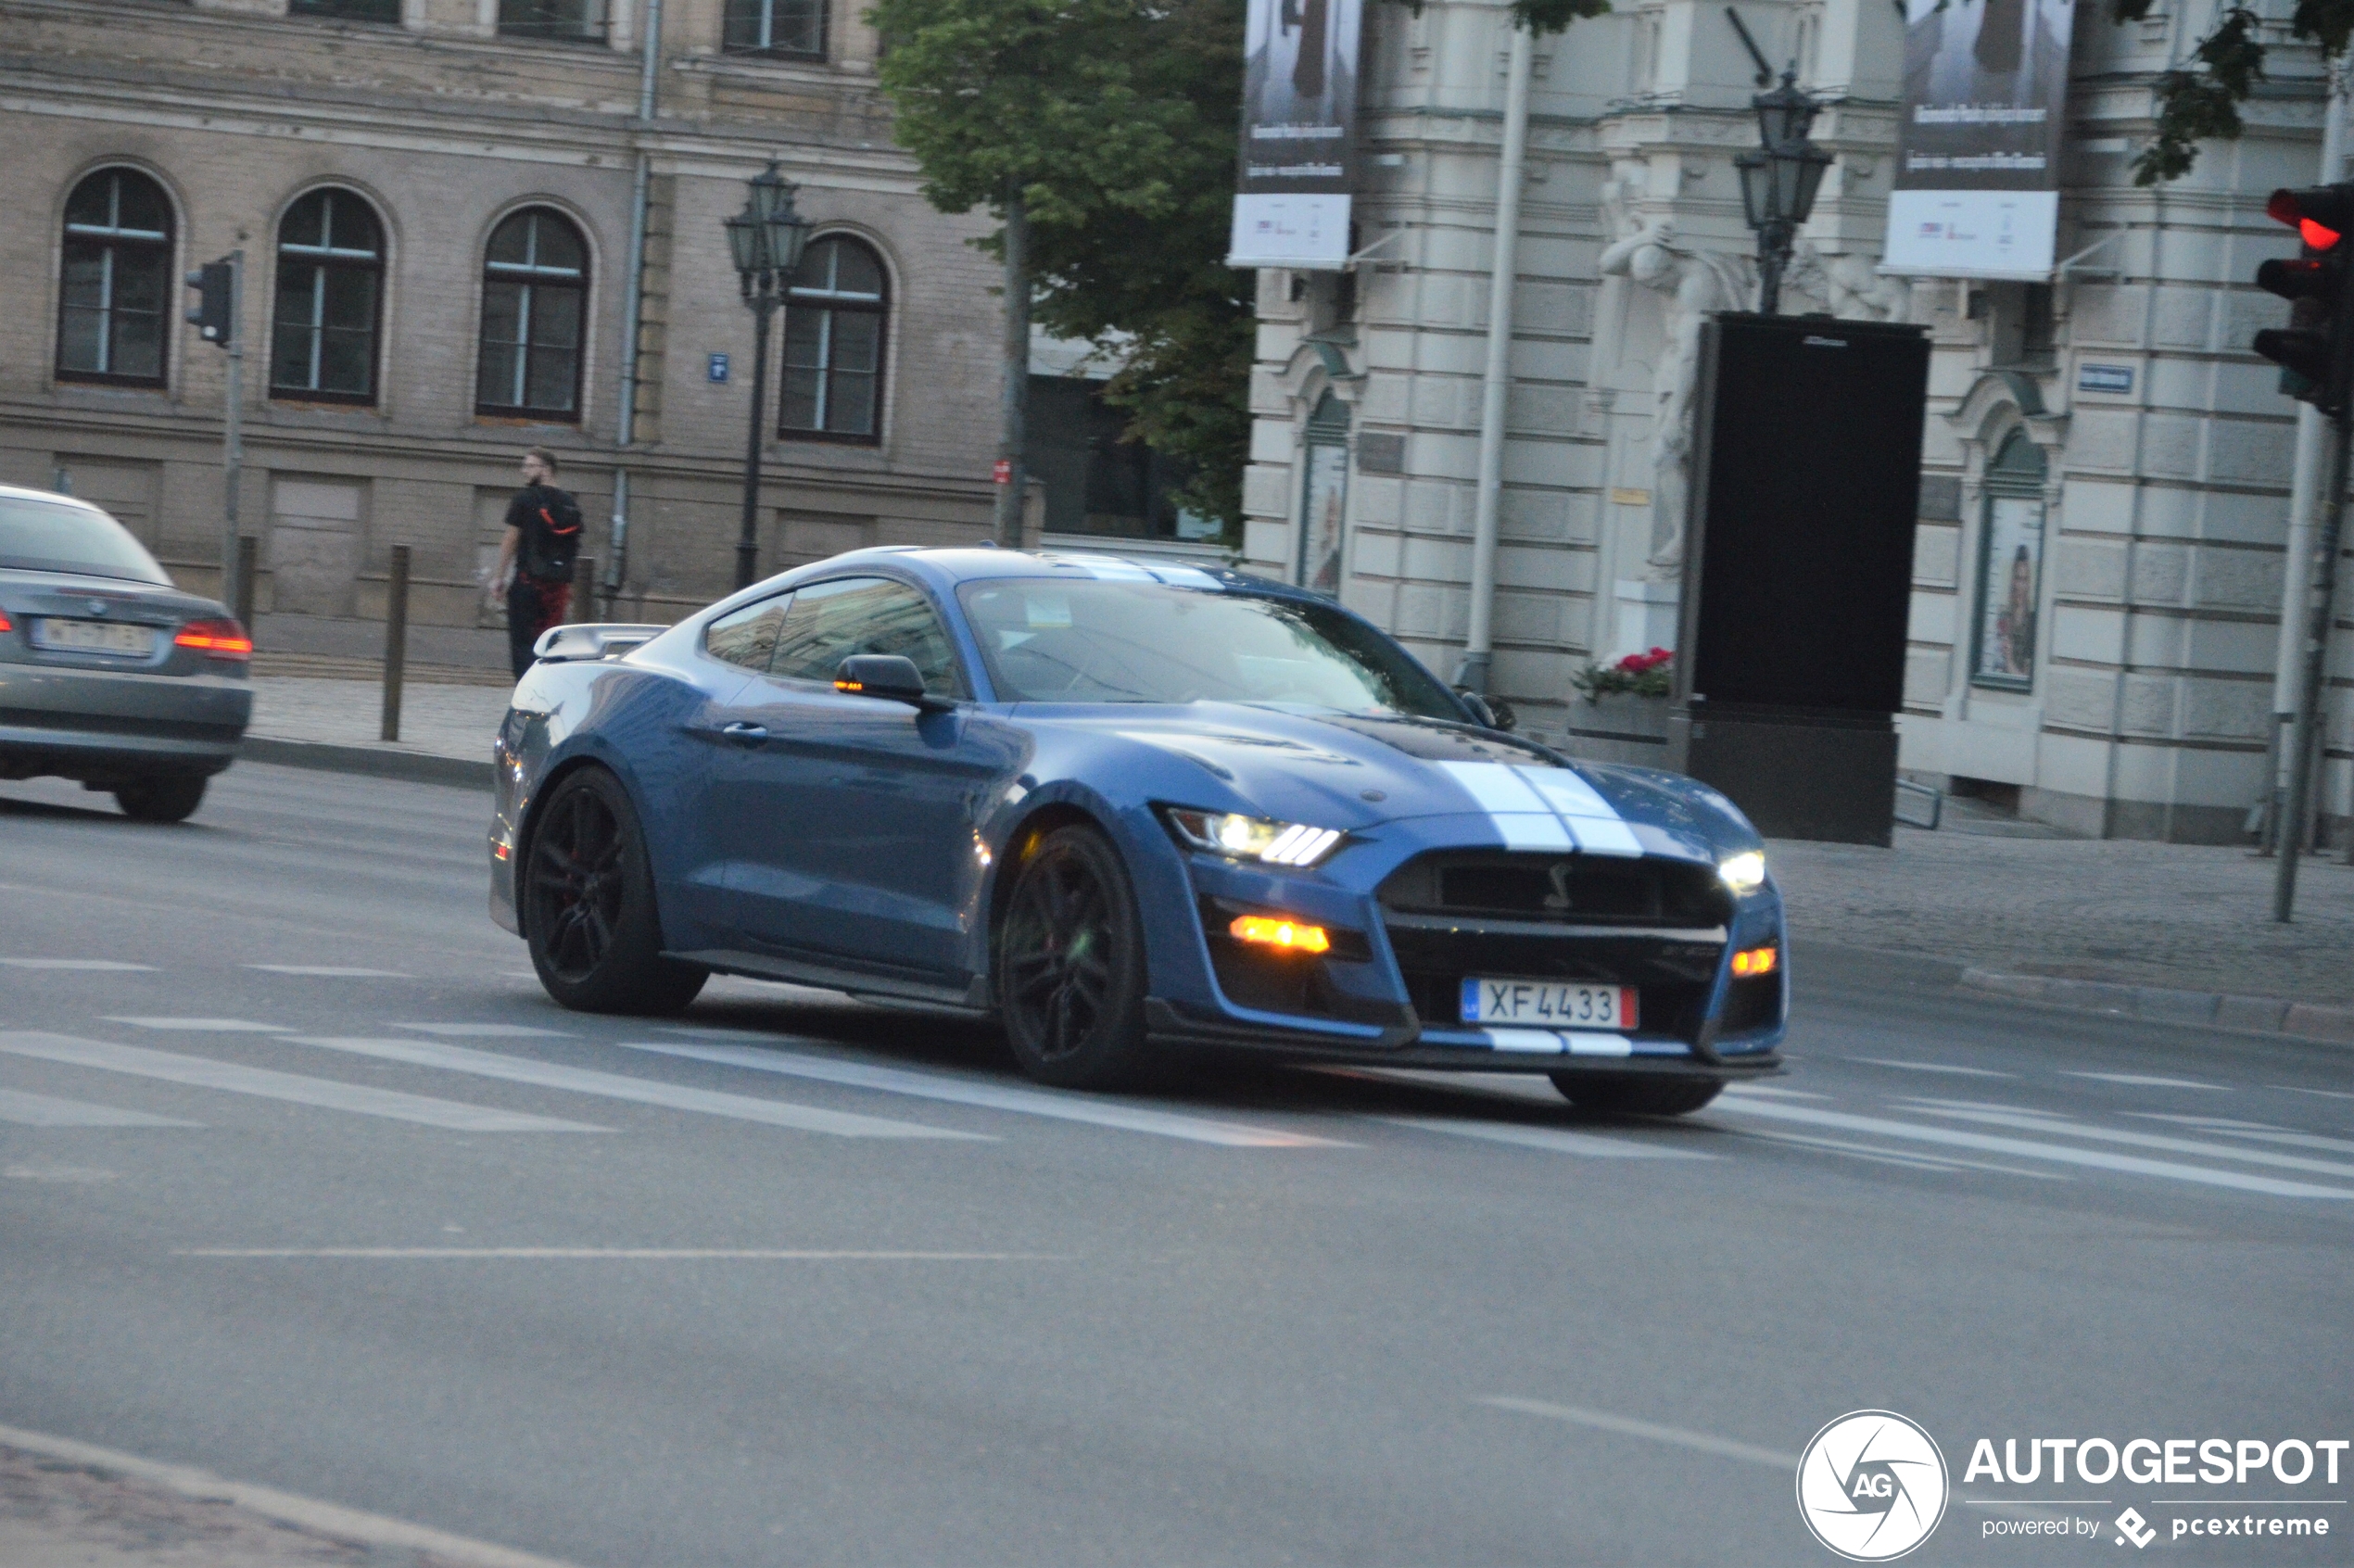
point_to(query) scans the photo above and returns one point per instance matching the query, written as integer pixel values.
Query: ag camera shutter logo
(1872, 1486)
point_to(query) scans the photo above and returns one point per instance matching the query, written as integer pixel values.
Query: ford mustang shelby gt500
(1122, 806)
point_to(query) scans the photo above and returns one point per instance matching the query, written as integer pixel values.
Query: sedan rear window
(40, 536)
(1066, 639)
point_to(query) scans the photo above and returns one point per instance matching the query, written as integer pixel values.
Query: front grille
(1565, 889)
(1671, 976)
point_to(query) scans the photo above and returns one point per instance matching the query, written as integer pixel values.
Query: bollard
(584, 589)
(395, 639)
(248, 555)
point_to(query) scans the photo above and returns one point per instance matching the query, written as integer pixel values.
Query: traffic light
(2315, 352)
(215, 311)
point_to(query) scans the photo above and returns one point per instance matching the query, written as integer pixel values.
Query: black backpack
(553, 544)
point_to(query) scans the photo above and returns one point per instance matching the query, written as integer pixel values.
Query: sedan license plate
(93, 636)
(1560, 1004)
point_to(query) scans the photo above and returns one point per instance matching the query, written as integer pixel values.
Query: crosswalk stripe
(1552, 1138)
(484, 1031)
(46, 1110)
(2144, 1139)
(2261, 1131)
(100, 965)
(1932, 1067)
(644, 1090)
(1899, 1157)
(204, 1072)
(1953, 1137)
(329, 971)
(201, 1026)
(2143, 1079)
(994, 1097)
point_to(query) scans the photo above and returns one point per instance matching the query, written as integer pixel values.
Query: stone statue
(1693, 283)
(1850, 286)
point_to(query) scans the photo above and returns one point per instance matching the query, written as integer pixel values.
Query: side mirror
(891, 677)
(1497, 714)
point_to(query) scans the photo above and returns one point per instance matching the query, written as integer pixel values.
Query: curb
(380, 762)
(414, 1542)
(2266, 1014)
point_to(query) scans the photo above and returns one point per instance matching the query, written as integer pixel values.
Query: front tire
(1626, 1095)
(1070, 966)
(161, 797)
(587, 905)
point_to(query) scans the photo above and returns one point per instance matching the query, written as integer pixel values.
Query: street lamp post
(1779, 183)
(766, 240)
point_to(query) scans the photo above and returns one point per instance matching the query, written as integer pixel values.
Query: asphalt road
(841, 1289)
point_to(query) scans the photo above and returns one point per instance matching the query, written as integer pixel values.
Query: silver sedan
(108, 674)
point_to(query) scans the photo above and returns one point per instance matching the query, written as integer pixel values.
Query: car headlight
(1743, 872)
(1252, 838)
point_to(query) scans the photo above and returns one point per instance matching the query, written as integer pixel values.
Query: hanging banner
(1298, 135)
(1978, 147)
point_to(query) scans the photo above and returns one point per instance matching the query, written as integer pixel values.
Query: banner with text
(1978, 147)
(1298, 135)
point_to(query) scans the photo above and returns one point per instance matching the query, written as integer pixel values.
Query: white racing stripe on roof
(1109, 568)
(1185, 576)
(1595, 822)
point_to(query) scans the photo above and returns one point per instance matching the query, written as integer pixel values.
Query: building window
(776, 27)
(385, 12)
(1097, 481)
(2011, 568)
(323, 341)
(117, 280)
(552, 18)
(534, 299)
(834, 319)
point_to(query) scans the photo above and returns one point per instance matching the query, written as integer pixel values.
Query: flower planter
(1619, 728)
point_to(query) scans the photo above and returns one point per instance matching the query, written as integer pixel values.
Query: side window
(749, 636)
(829, 621)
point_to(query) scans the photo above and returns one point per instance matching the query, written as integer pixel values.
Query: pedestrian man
(541, 543)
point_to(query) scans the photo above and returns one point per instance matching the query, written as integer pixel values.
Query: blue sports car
(1123, 806)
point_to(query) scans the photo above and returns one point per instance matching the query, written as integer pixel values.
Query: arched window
(834, 319)
(535, 303)
(115, 280)
(322, 342)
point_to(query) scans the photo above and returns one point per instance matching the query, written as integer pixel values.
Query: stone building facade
(2112, 415)
(436, 202)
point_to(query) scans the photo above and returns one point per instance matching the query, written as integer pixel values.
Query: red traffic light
(2320, 214)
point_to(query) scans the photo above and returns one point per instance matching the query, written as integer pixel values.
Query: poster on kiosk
(1978, 147)
(1299, 134)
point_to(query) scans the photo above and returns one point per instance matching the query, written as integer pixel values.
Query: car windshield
(1061, 639)
(41, 535)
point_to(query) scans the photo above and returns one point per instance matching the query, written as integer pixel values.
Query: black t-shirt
(544, 551)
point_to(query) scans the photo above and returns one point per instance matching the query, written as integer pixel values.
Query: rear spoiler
(560, 645)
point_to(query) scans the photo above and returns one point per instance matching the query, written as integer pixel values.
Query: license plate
(1560, 1004)
(93, 636)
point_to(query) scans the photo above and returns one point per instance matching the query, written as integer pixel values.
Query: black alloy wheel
(161, 797)
(1070, 964)
(587, 905)
(1634, 1094)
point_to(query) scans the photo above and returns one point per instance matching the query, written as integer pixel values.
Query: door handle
(744, 734)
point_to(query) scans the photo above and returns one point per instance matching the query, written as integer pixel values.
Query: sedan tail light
(219, 640)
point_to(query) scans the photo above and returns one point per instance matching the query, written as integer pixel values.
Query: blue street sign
(719, 366)
(2103, 378)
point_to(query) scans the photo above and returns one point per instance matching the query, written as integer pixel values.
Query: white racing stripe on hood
(1545, 808)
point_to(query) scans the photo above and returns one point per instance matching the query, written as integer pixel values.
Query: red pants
(533, 605)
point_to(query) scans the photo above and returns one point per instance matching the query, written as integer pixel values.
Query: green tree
(2203, 102)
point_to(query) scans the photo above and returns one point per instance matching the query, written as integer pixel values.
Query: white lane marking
(2256, 1129)
(2061, 1120)
(2144, 1141)
(1771, 1093)
(1986, 1143)
(1599, 827)
(202, 1026)
(1898, 1157)
(484, 1031)
(643, 1091)
(329, 971)
(44, 1110)
(994, 1097)
(1603, 1420)
(56, 1173)
(1554, 1139)
(105, 964)
(660, 1254)
(2325, 1093)
(1932, 1067)
(204, 1072)
(2145, 1081)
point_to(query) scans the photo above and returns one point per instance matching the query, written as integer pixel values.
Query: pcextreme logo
(1871, 1486)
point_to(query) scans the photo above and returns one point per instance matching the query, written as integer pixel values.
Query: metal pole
(1773, 256)
(764, 304)
(1496, 386)
(584, 589)
(1014, 396)
(625, 430)
(249, 554)
(233, 449)
(2320, 608)
(395, 640)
